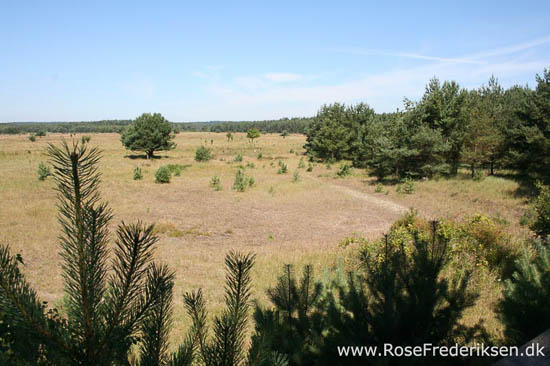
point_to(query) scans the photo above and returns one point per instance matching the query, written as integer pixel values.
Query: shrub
(291, 151)
(301, 164)
(283, 168)
(260, 155)
(32, 138)
(478, 176)
(43, 171)
(379, 188)
(525, 309)
(176, 169)
(216, 183)
(344, 171)
(251, 182)
(238, 158)
(541, 221)
(241, 182)
(85, 139)
(399, 297)
(138, 175)
(309, 167)
(296, 176)
(284, 133)
(408, 186)
(41, 133)
(163, 175)
(250, 165)
(229, 136)
(203, 154)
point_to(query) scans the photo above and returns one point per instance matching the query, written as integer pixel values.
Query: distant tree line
(288, 125)
(448, 128)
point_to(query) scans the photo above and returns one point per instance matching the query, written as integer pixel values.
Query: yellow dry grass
(280, 220)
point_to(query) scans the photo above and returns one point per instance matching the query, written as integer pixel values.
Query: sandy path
(382, 203)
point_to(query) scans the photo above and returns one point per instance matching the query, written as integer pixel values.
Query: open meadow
(282, 218)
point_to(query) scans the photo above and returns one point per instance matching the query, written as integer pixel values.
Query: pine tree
(108, 307)
(524, 309)
(227, 344)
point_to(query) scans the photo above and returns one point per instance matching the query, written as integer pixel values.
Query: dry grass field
(280, 220)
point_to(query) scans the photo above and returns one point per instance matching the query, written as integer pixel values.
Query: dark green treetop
(149, 133)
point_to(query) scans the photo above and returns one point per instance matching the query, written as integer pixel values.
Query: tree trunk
(492, 168)
(472, 167)
(150, 154)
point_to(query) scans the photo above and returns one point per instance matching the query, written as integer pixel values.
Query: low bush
(32, 138)
(344, 171)
(241, 182)
(238, 158)
(138, 174)
(216, 183)
(296, 176)
(163, 175)
(43, 171)
(85, 139)
(283, 169)
(203, 154)
(301, 164)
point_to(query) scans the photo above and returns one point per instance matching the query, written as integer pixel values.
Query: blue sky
(200, 60)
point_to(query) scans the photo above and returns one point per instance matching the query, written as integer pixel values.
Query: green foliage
(227, 342)
(241, 181)
(108, 308)
(229, 136)
(284, 133)
(253, 133)
(251, 182)
(215, 183)
(478, 176)
(138, 174)
(260, 155)
(238, 158)
(344, 171)
(309, 167)
(379, 188)
(163, 175)
(283, 169)
(334, 132)
(296, 176)
(149, 133)
(43, 171)
(32, 138)
(250, 165)
(407, 187)
(301, 164)
(85, 139)
(541, 221)
(524, 309)
(528, 128)
(41, 133)
(203, 154)
(398, 295)
(176, 169)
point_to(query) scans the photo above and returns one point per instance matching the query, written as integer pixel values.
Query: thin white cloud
(372, 52)
(274, 96)
(282, 77)
(508, 50)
